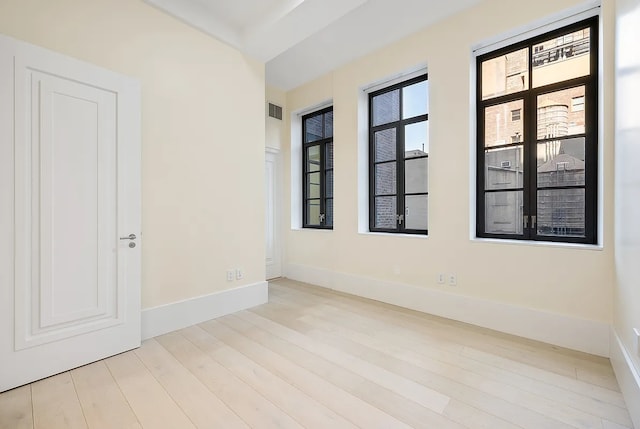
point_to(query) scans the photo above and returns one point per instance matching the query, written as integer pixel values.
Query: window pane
(503, 168)
(313, 158)
(561, 58)
(385, 208)
(328, 124)
(329, 155)
(328, 206)
(386, 107)
(313, 185)
(385, 142)
(499, 126)
(561, 212)
(561, 163)
(416, 175)
(556, 118)
(313, 129)
(505, 74)
(386, 178)
(415, 212)
(415, 100)
(313, 212)
(503, 212)
(329, 183)
(416, 139)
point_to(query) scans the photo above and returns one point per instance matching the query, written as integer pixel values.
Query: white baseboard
(628, 377)
(566, 331)
(177, 315)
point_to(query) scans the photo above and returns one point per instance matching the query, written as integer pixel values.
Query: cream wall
(571, 281)
(202, 136)
(627, 192)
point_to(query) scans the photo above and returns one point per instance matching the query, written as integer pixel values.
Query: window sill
(391, 234)
(325, 230)
(580, 246)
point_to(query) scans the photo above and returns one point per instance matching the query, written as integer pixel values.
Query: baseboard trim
(574, 333)
(627, 375)
(177, 315)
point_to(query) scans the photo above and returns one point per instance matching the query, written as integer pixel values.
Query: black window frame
(400, 160)
(324, 143)
(530, 139)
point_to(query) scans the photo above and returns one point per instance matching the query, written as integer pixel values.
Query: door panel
(71, 230)
(74, 287)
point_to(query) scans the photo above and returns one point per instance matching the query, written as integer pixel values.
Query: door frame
(273, 211)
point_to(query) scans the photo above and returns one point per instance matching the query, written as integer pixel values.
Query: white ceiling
(300, 40)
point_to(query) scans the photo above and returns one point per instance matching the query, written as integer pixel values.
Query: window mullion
(532, 185)
(321, 191)
(400, 185)
(305, 192)
(400, 165)
(530, 154)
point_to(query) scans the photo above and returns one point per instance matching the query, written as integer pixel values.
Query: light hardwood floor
(313, 358)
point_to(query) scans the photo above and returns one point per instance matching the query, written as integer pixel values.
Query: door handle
(130, 237)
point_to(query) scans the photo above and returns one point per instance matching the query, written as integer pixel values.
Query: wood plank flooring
(314, 358)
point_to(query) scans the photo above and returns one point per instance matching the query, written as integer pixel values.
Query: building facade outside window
(317, 166)
(537, 172)
(399, 157)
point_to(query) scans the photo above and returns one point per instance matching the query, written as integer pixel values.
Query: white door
(69, 189)
(272, 221)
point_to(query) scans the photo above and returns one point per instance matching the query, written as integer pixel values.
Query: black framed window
(537, 131)
(399, 157)
(317, 169)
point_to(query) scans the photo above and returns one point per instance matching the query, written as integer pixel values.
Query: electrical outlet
(453, 280)
(229, 275)
(440, 278)
(239, 274)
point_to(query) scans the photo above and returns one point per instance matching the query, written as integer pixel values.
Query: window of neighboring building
(548, 192)
(399, 157)
(317, 165)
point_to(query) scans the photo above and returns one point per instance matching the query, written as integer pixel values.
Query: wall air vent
(275, 111)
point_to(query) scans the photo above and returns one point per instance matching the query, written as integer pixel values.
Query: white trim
(273, 219)
(588, 336)
(601, 129)
(296, 170)
(311, 109)
(473, 151)
(363, 162)
(595, 247)
(410, 73)
(627, 376)
(386, 234)
(272, 150)
(177, 315)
